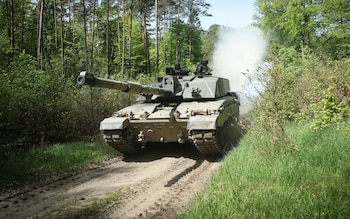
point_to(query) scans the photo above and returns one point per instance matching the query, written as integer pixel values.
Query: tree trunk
(40, 28)
(12, 29)
(191, 19)
(85, 37)
(164, 41)
(55, 24)
(145, 36)
(62, 38)
(92, 37)
(118, 33)
(23, 13)
(177, 34)
(124, 38)
(190, 46)
(72, 15)
(156, 32)
(107, 38)
(130, 40)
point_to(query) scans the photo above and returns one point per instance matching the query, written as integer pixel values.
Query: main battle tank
(178, 107)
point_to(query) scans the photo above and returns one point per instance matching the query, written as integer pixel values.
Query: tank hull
(207, 124)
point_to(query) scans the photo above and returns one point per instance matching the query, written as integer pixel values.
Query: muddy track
(162, 183)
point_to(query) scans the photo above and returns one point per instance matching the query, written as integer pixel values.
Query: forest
(45, 44)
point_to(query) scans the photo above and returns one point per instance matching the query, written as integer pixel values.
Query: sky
(236, 14)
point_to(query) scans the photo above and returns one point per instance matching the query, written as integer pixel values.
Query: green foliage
(323, 87)
(46, 106)
(304, 24)
(329, 110)
(335, 23)
(305, 87)
(91, 105)
(311, 182)
(27, 88)
(4, 45)
(137, 64)
(209, 41)
(38, 107)
(178, 37)
(276, 97)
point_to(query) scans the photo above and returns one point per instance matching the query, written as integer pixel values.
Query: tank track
(118, 140)
(205, 142)
(216, 142)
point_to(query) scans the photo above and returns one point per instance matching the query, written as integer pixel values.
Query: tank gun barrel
(86, 78)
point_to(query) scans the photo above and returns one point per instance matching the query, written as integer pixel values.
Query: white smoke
(237, 52)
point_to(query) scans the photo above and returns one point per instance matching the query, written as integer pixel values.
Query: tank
(197, 109)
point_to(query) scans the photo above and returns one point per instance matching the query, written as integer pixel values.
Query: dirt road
(159, 184)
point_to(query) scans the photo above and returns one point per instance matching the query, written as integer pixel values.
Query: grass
(259, 179)
(36, 164)
(311, 181)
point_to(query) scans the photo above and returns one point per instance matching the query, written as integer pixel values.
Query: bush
(38, 107)
(308, 88)
(329, 110)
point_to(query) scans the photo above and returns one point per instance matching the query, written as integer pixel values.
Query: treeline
(308, 78)
(124, 37)
(45, 44)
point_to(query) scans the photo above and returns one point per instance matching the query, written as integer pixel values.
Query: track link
(205, 142)
(118, 139)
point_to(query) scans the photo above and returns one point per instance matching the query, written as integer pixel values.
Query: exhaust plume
(237, 52)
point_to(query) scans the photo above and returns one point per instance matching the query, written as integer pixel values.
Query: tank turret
(173, 84)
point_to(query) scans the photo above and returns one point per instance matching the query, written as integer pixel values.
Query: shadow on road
(157, 151)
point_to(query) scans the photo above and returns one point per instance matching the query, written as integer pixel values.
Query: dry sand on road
(161, 184)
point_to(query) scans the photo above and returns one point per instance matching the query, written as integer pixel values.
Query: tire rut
(167, 195)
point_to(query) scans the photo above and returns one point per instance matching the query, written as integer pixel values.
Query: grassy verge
(36, 164)
(311, 181)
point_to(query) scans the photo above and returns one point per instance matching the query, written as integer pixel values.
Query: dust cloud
(237, 52)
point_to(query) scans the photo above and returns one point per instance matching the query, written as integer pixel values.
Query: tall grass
(311, 181)
(36, 164)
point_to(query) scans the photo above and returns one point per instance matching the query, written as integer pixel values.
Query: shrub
(40, 107)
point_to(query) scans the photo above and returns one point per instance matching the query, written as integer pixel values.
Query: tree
(195, 9)
(62, 36)
(156, 33)
(303, 24)
(131, 6)
(124, 38)
(85, 35)
(144, 11)
(12, 28)
(93, 37)
(334, 27)
(209, 41)
(182, 48)
(40, 35)
(107, 40)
